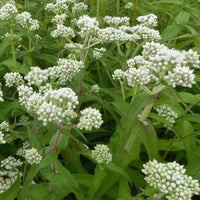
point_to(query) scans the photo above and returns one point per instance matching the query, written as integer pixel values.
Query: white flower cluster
(4, 126)
(87, 25)
(90, 118)
(148, 20)
(58, 6)
(7, 11)
(116, 21)
(21, 151)
(146, 33)
(79, 8)
(94, 88)
(101, 154)
(59, 19)
(13, 78)
(8, 173)
(51, 105)
(167, 113)
(32, 156)
(36, 76)
(98, 53)
(66, 69)
(170, 179)
(110, 34)
(140, 76)
(158, 63)
(182, 76)
(63, 31)
(119, 75)
(25, 20)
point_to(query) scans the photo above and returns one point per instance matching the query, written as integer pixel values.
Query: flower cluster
(98, 53)
(119, 75)
(66, 69)
(182, 76)
(13, 78)
(25, 20)
(170, 179)
(7, 11)
(129, 6)
(63, 31)
(58, 7)
(79, 8)
(101, 154)
(87, 25)
(59, 19)
(167, 113)
(139, 76)
(2, 140)
(9, 173)
(32, 156)
(36, 76)
(116, 21)
(94, 89)
(4, 127)
(158, 63)
(148, 20)
(90, 118)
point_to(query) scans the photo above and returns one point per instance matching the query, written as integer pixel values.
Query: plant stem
(118, 7)
(99, 72)
(30, 49)
(98, 6)
(129, 143)
(122, 88)
(146, 112)
(26, 4)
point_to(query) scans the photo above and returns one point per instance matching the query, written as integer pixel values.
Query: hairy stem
(13, 47)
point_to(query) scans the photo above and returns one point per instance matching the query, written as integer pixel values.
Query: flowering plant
(97, 105)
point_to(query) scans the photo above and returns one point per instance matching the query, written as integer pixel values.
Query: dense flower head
(170, 179)
(119, 75)
(9, 172)
(90, 118)
(13, 78)
(1, 96)
(116, 21)
(79, 8)
(58, 6)
(101, 154)
(66, 69)
(7, 11)
(94, 88)
(4, 126)
(148, 20)
(32, 156)
(180, 76)
(63, 32)
(59, 19)
(25, 20)
(87, 25)
(140, 76)
(98, 53)
(10, 163)
(167, 113)
(36, 76)
(21, 151)
(110, 34)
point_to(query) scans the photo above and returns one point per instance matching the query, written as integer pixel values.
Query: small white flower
(90, 118)
(101, 154)
(32, 156)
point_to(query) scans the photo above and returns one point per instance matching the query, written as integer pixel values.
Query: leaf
(171, 32)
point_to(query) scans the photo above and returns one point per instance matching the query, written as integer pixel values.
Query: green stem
(129, 143)
(30, 49)
(99, 72)
(13, 47)
(134, 93)
(26, 4)
(122, 88)
(98, 6)
(118, 7)
(146, 112)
